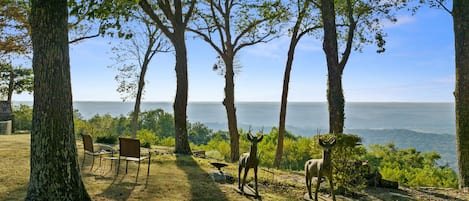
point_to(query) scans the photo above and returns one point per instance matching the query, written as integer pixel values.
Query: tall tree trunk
(335, 96)
(284, 101)
(55, 173)
(180, 102)
(138, 98)
(461, 38)
(11, 85)
(229, 104)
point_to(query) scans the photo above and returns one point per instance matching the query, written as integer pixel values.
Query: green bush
(147, 138)
(106, 138)
(167, 141)
(410, 167)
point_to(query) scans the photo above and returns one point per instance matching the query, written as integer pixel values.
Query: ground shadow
(439, 195)
(118, 189)
(388, 194)
(202, 187)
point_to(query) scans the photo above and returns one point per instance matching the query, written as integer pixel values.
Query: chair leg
(126, 165)
(118, 165)
(138, 169)
(112, 161)
(148, 171)
(92, 163)
(100, 160)
(83, 163)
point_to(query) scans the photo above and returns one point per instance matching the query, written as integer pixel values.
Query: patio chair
(89, 150)
(129, 149)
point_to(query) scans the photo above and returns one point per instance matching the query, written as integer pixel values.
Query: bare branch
(350, 35)
(207, 39)
(149, 11)
(189, 13)
(440, 2)
(83, 38)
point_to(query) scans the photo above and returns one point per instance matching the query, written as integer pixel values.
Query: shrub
(167, 141)
(147, 138)
(106, 138)
(410, 167)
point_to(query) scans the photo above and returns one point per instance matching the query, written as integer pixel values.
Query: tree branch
(444, 7)
(83, 38)
(350, 35)
(149, 11)
(245, 31)
(189, 13)
(207, 39)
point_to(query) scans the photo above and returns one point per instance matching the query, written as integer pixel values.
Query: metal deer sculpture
(320, 167)
(249, 160)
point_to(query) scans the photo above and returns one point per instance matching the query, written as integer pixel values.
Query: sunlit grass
(171, 177)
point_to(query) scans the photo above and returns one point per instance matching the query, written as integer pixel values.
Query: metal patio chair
(129, 150)
(88, 146)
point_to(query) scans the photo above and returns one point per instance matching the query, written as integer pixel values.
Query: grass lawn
(179, 178)
(171, 178)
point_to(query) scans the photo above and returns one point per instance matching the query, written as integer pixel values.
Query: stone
(221, 177)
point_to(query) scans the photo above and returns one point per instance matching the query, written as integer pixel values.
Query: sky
(418, 66)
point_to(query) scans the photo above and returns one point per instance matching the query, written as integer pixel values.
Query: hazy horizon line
(114, 101)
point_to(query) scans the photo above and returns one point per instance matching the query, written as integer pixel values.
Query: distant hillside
(424, 142)
(443, 144)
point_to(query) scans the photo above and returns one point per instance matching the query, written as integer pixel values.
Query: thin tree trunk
(180, 102)
(335, 96)
(11, 85)
(461, 38)
(55, 173)
(138, 98)
(229, 104)
(283, 104)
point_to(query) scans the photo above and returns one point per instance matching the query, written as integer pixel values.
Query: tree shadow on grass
(201, 186)
(439, 195)
(118, 189)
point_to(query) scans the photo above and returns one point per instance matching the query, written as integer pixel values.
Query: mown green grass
(171, 178)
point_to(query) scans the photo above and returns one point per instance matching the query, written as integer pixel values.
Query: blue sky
(418, 66)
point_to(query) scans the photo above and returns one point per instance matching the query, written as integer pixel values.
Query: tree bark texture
(461, 36)
(55, 173)
(284, 101)
(335, 95)
(230, 107)
(180, 102)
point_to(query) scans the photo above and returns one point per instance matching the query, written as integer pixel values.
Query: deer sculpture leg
(240, 168)
(246, 170)
(318, 184)
(255, 180)
(331, 184)
(308, 184)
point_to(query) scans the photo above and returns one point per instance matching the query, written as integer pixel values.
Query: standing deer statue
(320, 167)
(249, 160)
